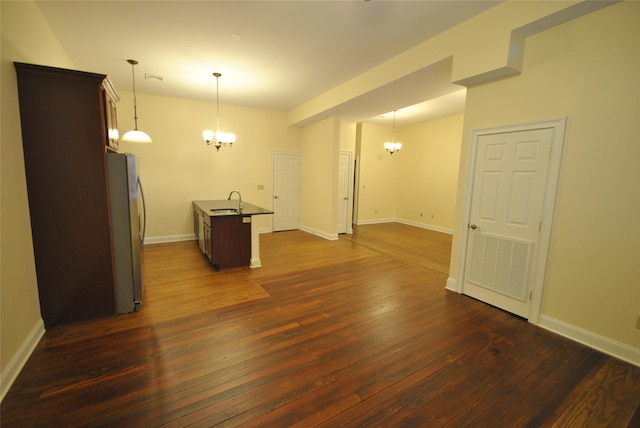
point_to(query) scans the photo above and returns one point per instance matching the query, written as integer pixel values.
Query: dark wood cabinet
(63, 115)
(223, 229)
(227, 240)
(208, 248)
(231, 241)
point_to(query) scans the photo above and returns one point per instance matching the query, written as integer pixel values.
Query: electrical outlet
(260, 186)
(638, 322)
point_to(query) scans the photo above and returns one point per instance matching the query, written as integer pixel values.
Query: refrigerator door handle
(143, 228)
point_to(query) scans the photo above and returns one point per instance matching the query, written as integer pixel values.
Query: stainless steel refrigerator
(127, 229)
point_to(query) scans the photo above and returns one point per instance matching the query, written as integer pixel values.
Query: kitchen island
(226, 232)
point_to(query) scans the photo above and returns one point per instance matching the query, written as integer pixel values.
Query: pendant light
(135, 135)
(221, 138)
(392, 146)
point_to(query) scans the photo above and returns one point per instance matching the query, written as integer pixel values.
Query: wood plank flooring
(357, 332)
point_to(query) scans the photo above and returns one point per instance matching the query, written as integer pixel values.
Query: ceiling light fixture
(221, 138)
(392, 146)
(135, 135)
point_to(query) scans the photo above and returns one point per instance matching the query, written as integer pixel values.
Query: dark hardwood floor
(357, 332)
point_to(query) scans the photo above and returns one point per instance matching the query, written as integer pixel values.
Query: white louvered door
(507, 203)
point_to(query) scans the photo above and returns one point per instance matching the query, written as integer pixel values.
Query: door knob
(473, 226)
(275, 197)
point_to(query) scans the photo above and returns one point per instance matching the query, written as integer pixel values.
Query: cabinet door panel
(231, 241)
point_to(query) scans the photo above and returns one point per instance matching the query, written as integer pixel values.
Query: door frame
(356, 193)
(350, 181)
(553, 173)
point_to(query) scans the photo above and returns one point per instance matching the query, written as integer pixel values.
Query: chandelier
(393, 146)
(220, 138)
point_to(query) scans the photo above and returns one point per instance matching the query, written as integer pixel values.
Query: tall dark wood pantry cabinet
(64, 131)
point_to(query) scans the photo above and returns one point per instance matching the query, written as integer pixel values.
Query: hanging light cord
(393, 130)
(135, 103)
(217, 100)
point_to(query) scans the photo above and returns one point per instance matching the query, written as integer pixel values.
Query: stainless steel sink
(224, 211)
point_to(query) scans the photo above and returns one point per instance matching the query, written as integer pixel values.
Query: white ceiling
(272, 54)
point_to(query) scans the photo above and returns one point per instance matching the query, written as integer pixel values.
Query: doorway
(286, 191)
(345, 207)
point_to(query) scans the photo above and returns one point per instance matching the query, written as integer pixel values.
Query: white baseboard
(407, 222)
(188, 237)
(452, 285)
(600, 343)
(375, 221)
(425, 226)
(592, 340)
(169, 238)
(19, 359)
(325, 235)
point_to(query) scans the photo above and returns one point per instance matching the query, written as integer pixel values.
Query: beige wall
(588, 71)
(428, 173)
(26, 37)
(421, 178)
(319, 178)
(378, 180)
(178, 167)
(348, 136)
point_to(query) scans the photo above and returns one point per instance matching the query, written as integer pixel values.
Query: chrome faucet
(239, 199)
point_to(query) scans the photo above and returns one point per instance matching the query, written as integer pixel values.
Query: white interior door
(286, 191)
(505, 217)
(344, 199)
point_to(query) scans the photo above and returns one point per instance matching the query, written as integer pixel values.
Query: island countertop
(220, 204)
